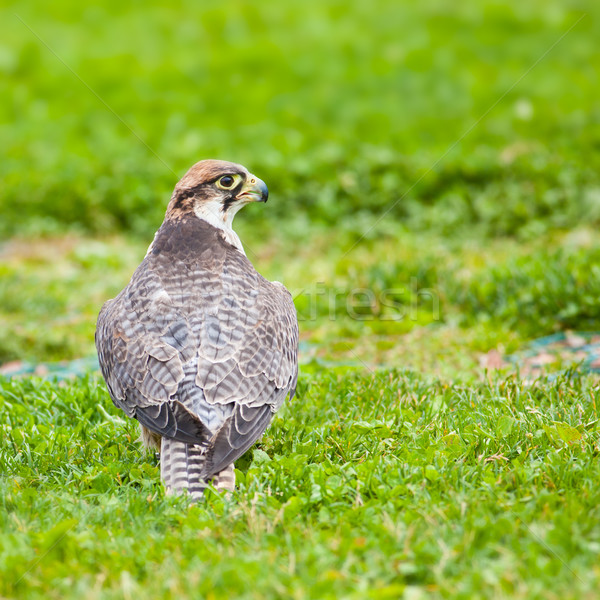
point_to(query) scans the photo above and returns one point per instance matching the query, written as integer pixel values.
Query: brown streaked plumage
(199, 347)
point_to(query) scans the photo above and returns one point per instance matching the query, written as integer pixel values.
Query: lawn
(435, 207)
(373, 484)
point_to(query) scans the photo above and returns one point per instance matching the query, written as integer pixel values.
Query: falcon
(199, 347)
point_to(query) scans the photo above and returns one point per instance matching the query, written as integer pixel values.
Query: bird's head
(214, 190)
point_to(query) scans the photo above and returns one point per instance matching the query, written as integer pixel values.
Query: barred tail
(181, 467)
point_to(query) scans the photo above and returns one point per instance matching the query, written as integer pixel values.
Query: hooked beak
(254, 190)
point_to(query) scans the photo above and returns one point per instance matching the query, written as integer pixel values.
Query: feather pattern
(200, 348)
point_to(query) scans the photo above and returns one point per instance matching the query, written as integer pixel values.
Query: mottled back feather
(199, 347)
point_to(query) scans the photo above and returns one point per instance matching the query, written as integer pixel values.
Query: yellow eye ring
(227, 182)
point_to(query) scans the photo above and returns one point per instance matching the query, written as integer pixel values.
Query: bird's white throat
(212, 212)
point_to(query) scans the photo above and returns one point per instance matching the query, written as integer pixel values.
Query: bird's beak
(254, 190)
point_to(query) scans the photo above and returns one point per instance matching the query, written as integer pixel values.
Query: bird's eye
(226, 182)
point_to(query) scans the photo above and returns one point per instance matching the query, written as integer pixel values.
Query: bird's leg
(150, 439)
(225, 480)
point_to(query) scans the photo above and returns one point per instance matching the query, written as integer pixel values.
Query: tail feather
(181, 467)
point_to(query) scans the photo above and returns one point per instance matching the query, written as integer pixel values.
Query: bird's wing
(143, 339)
(248, 356)
(216, 313)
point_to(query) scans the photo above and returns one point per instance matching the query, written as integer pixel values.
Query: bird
(199, 347)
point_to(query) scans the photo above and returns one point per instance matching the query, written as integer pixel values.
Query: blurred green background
(451, 144)
(434, 171)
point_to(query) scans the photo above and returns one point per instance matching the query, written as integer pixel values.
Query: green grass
(480, 114)
(435, 196)
(433, 304)
(367, 485)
